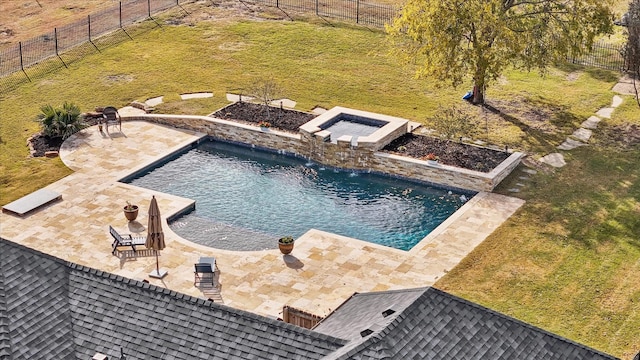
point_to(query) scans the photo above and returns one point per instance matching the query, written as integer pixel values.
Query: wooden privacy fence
(299, 318)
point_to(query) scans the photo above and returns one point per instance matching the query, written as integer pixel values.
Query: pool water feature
(346, 124)
(247, 198)
(350, 128)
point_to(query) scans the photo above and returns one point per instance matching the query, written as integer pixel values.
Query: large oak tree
(453, 39)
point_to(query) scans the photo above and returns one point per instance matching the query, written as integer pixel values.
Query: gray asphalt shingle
(47, 305)
(438, 325)
(52, 309)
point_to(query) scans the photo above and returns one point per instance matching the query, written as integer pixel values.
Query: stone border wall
(341, 155)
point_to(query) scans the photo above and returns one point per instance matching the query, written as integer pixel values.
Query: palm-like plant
(61, 122)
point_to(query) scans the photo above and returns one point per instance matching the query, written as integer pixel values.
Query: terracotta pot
(132, 213)
(285, 248)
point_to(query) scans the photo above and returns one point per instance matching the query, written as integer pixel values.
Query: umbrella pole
(157, 263)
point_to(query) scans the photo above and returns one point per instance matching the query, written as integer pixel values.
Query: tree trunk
(478, 95)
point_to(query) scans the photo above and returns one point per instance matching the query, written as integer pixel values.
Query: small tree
(61, 122)
(632, 49)
(266, 90)
(452, 122)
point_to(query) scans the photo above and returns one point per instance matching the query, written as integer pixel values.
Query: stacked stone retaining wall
(340, 155)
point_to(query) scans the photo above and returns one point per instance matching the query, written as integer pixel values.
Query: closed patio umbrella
(155, 236)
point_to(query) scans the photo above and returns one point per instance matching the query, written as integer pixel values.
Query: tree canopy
(450, 40)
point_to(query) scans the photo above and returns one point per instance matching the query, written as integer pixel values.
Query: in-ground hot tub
(355, 128)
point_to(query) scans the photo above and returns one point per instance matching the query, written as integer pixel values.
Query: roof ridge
(511, 318)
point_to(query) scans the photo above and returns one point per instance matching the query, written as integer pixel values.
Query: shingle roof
(52, 309)
(361, 311)
(438, 325)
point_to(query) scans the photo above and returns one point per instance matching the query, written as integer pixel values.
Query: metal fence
(603, 55)
(30, 53)
(363, 13)
(27, 54)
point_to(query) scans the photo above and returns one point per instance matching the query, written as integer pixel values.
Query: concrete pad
(318, 110)
(616, 101)
(130, 111)
(591, 122)
(582, 134)
(570, 144)
(154, 101)
(32, 201)
(605, 112)
(554, 159)
(196, 95)
(238, 97)
(285, 103)
(412, 125)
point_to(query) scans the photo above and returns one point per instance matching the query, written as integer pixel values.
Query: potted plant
(285, 244)
(264, 124)
(431, 158)
(130, 211)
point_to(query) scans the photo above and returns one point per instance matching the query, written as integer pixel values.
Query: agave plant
(61, 122)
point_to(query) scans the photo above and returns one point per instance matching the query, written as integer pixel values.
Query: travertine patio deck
(322, 272)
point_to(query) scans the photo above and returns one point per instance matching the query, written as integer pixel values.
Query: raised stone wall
(341, 155)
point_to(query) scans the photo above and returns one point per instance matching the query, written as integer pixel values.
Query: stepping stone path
(554, 159)
(581, 136)
(570, 144)
(591, 123)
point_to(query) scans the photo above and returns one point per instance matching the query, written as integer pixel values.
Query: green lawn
(568, 261)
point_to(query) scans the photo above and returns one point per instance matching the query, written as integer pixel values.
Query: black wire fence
(78, 39)
(603, 55)
(72, 40)
(362, 12)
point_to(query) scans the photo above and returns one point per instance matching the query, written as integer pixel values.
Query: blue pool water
(247, 198)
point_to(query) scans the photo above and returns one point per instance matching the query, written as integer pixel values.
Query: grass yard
(568, 261)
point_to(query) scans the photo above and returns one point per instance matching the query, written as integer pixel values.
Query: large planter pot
(131, 212)
(285, 245)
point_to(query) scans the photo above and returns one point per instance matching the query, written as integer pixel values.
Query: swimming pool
(247, 198)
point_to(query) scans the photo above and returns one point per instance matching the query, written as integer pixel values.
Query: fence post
(317, 13)
(55, 36)
(89, 27)
(149, 7)
(357, 11)
(120, 14)
(22, 61)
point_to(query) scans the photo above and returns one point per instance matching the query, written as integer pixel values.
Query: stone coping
(377, 140)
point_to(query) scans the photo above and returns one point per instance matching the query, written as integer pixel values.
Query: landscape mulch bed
(280, 118)
(448, 152)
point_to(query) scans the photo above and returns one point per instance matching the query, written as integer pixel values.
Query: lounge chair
(111, 118)
(125, 240)
(205, 268)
